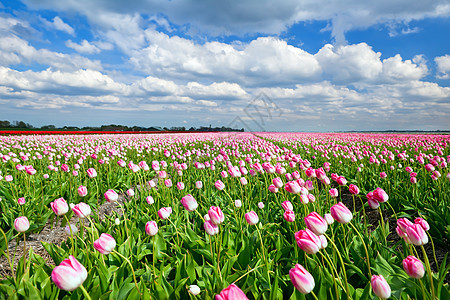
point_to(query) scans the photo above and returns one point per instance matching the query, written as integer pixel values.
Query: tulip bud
(413, 267)
(111, 195)
(210, 227)
(341, 213)
(216, 215)
(82, 191)
(301, 279)
(219, 185)
(59, 206)
(417, 235)
(308, 241)
(380, 287)
(69, 275)
(251, 218)
(151, 228)
(238, 203)
(91, 173)
(150, 200)
(287, 205)
(422, 223)
(289, 215)
(260, 205)
(316, 223)
(194, 289)
(232, 292)
(21, 224)
(105, 243)
(82, 210)
(354, 190)
(21, 201)
(329, 219)
(198, 184)
(164, 212)
(189, 203)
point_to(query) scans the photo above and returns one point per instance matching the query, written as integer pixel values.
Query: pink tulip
(289, 215)
(82, 191)
(413, 267)
(373, 204)
(105, 243)
(216, 215)
(380, 195)
(91, 173)
(380, 287)
(308, 241)
(198, 185)
(320, 174)
(21, 224)
(210, 227)
(404, 223)
(273, 189)
(164, 212)
(151, 228)
(292, 187)
(111, 195)
(422, 223)
(168, 183)
(260, 205)
(237, 203)
(341, 213)
(59, 206)
(82, 210)
(417, 235)
(301, 279)
(189, 203)
(180, 186)
(287, 205)
(333, 192)
(232, 292)
(69, 275)
(21, 201)
(243, 181)
(341, 180)
(354, 190)
(329, 219)
(130, 193)
(316, 223)
(251, 218)
(219, 185)
(150, 200)
(277, 182)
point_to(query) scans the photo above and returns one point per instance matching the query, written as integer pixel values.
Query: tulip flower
(189, 203)
(150, 200)
(308, 241)
(111, 195)
(82, 210)
(260, 205)
(417, 235)
(380, 287)
(354, 190)
(287, 205)
(105, 243)
(151, 228)
(413, 267)
(237, 203)
(164, 212)
(21, 224)
(82, 191)
(292, 187)
(341, 213)
(333, 192)
(232, 292)
(198, 185)
(21, 201)
(194, 289)
(422, 223)
(404, 223)
(69, 275)
(329, 219)
(180, 186)
(301, 279)
(341, 180)
(289, 215)
(251, 218)
(210, 227)
(216, 215)
(316, 223)
(91, 173)
(273, 188)
(130, 193)
(380, 195)
(59, 206)
(277, 182)
(219, 185)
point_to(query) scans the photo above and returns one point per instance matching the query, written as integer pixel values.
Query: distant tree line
(111, 127)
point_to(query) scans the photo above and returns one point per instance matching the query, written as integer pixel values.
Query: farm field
(225, 216)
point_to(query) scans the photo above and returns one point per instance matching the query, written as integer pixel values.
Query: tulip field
(225, 216)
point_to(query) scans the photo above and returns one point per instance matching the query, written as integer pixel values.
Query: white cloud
(394, 68)
(443, 66)
(14, 50)
(58, 24)
(84, 47)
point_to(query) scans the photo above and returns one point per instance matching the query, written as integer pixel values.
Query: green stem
(430, 277)
(86, 294)
(365, 248)
(343, 266)
(132, 271)
(335, 272)
(71, 234)
(263, 253)
(314, 295)
(423, 289)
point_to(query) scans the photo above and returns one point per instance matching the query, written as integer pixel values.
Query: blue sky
(310, 65)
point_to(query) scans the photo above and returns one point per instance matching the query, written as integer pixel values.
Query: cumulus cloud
(261, 16)
(58, 24)
(443, 66)
(84, 47)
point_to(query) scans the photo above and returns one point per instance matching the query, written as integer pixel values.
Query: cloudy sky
(291, 65)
